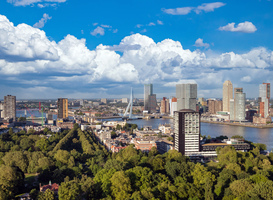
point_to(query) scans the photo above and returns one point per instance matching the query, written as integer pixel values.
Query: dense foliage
(86, 170)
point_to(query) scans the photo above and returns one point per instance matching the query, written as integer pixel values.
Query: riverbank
(240, 124)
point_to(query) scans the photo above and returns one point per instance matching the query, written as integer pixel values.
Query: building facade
(173, 105)
(62, 106)
(186, 95)
(237, 105)
(214, 106)
(187, 131)
(227, 95)
(149, 98)
(264, 99)
(10, 107)
(165, 106)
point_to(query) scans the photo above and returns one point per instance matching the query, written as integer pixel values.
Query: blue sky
(93, 49)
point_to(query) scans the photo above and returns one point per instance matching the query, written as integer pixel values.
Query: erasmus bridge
(129, 115)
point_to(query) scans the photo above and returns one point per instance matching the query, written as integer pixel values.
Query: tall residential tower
(149, 98)
(264, 98)
(186, 95)
(187, 131)
(62, 105)
(227, 95)
(237, 105)
(10, 107)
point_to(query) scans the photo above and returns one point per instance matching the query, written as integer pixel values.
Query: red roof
(54, 187)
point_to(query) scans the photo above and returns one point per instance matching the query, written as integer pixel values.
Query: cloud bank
(206, 7)
(29, 58)
(30, 2)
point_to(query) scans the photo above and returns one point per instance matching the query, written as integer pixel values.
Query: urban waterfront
(256, 135)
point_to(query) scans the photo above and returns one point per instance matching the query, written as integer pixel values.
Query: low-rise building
(144, 145)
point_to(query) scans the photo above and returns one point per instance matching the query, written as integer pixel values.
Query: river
(256, 135)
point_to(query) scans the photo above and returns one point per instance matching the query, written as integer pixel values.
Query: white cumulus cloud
(199, 43)
(70, 64)
(42, 21)
(245, 27)
(24, 43)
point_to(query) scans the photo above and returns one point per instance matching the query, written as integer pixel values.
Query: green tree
(31, 131)
(42, 144)
(22, 119)
(16, 158)
(11, 181)
(118, 127)
(47, 195)
(69, 190)
(62, 156)
(227, 155)
(121, 186)
(240, 187)
(10, 131)
(113, 134)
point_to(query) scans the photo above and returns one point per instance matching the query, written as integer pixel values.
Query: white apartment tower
(187, 131)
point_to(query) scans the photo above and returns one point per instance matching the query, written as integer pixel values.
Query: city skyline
(48, 52)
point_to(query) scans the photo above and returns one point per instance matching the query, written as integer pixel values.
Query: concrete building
(237, 105)
(62, 106)
(149, 98)
(1, 109)
(173, 105)
(186, 95)
(214, 106)
(104, 101)
(124, 100)
(10, 107)
(187, 131)
(165, 106)
(202, 101)
(227, 95)
(264, 99)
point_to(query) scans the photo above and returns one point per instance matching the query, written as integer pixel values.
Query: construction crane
(30, 114)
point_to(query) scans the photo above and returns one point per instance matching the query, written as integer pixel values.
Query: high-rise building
(165, 106)
(10, 107)
(149, 98)
(214, 106)
(62, 106)
(173, 105)
(187, 131)
(186, 95)
(237, 105)
(1, 109)
(152, 103)
(264, 98)
(227, 95)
